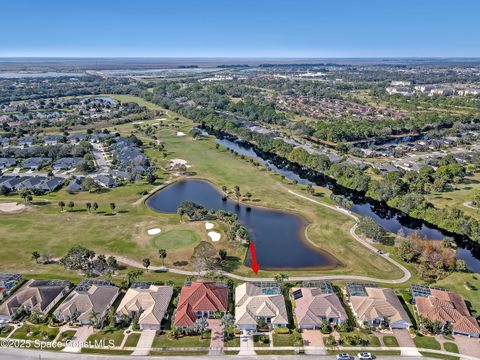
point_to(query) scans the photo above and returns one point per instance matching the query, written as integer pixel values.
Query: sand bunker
(215, 236)
(153, 231)
(180, 133)
(11, 208)
(209, 225)
(178, 162)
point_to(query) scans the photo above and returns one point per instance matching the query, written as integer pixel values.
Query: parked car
(365, 356)
(344, 356)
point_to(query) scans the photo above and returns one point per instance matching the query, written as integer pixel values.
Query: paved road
(406, 274)
(15, 353)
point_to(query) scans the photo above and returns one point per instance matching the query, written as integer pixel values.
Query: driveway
(216, 342)
(144, 343)
(80, 337)
(313, 342)
(246, 343)
(405, 340)
(468, 346)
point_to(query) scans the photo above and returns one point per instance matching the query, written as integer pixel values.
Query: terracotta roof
(444, 306)
(200, 296)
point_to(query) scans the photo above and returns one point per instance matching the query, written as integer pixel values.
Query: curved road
(406, 273)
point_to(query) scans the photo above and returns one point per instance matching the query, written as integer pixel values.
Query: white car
(365, 356)
(344, 356)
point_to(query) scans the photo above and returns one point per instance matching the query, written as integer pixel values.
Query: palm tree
(88, 206)
(95, 206)
(162, 253)
(36, 256)
(146, 263)
(112, 206)
(71, 205)
(237, 192)
(61, 205)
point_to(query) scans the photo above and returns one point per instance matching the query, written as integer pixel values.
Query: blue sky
(213, 28)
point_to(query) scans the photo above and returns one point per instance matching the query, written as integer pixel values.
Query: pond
(391, 220)
(278, 235)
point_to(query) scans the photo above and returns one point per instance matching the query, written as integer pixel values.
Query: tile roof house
(200, 299)
(7, 162)
(34, 163)
(66, 163)
(75, 186)
(52, 184)
(253, 303)
(150, 301)
(379, 306)
(34, 295)
(448, 308)
(105, 181)
(313, 307)
(85, 300)
(31, 183)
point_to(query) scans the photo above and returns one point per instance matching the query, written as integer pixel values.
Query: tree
(223, 254)
(203, 257)
(280, 278)
(78, 258)
(162, 254)
(25, 193)
(112, 262)
(133, 275)
(112, 206)
(146, 263)
(200, 325)
(237, 192)
(71, 205)
(88, 205)
(228, 321)
(36, 256)
(151, 178)
(95, 206)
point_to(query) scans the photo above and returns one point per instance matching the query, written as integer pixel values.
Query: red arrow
(255, 265)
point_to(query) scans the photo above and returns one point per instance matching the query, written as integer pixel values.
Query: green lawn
(261, 341)
(161, 341)
(178, 353)
(5, 331)
(175, 239)
(390, 341)
(67, 335)
(283, 340)
(111, 337)
(450, 347)
(36, 332)
(372, 339)
(132, 340)
(426, 342)
(439, 356)
(233, 342)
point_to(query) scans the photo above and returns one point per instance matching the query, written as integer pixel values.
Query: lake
(391, 220)
(278, 235)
